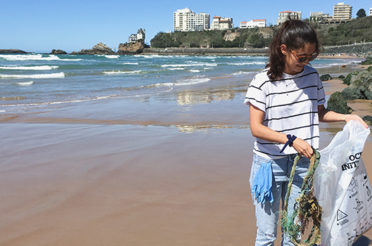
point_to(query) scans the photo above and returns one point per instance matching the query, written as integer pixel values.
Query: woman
(286, 103)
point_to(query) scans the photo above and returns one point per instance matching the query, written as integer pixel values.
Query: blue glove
(262, 183)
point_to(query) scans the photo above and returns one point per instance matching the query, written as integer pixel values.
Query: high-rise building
(370, 12)
(286, 15)
(185, 20)
(342, 11)
(219, 23)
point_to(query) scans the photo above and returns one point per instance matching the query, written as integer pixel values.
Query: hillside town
(185, 20)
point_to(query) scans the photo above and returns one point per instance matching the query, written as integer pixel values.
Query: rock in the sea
(360, 86)
(58, 52)
(325, 77)
(131, 48)
(12, 51)
(338, 103)
(98, 49)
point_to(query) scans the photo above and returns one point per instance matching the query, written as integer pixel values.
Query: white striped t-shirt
(291, 107)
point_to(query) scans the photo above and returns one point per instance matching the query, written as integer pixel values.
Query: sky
(72, 25)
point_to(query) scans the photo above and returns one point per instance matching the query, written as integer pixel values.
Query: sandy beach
(175, 175)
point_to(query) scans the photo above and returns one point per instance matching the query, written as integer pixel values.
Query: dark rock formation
(368, 119)
(98, 49)
(12, 51)
(58, 52)
(367, 61)
(348, 78)
(325, 77)
(338, 103)
(360, 86)
(131, 48)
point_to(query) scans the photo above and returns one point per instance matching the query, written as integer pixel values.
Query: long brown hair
(294, 34)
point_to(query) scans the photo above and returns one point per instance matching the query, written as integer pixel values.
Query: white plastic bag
(342, 187)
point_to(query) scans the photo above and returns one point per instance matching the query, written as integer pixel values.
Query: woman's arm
(326, 115)
(259, 130)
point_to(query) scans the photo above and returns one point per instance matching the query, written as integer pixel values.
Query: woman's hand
(302, 147)
(349, 117)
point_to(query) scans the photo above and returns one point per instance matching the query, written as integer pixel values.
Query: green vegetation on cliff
(256, 38)
(356, 31)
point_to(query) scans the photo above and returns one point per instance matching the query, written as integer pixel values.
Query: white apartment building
(286, 15)
(185, 20)
(370, 12)
(342, 11)
(219, 23)
(320, 17)
(253, 23)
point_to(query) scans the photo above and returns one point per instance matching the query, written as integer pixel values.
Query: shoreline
(205, 52)
(89, 174)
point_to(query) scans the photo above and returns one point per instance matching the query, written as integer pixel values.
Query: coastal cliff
(131, 48)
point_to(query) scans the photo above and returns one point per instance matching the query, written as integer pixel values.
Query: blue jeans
(267, 214)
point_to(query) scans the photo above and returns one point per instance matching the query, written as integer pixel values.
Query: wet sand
(175, 174)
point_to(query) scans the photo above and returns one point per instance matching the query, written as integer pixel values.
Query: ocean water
(34, 82)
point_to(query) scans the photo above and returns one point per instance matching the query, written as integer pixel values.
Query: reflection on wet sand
(184, 126)
(198, 97)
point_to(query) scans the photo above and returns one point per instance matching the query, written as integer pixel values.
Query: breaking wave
(33, 76)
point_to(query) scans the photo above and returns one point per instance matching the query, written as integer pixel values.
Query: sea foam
(29, 68)
(191, 65)
(33, 57)
(28, 83)
(121, 72)
(246, 63)
(130, 63)
(34, 76)
(242, 73)
(112, 56)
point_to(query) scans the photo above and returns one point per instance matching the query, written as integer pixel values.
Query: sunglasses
(304, 58)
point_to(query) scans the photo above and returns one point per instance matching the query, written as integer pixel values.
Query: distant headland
(352, 38)
(12, 51)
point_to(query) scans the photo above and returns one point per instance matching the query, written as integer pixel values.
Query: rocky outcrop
(12, 51)
(338, 103)
(368, 119)
(230, 35)
(131, 48)
(98, 49)
(325, 77)
(58, 52)
(360, 86)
